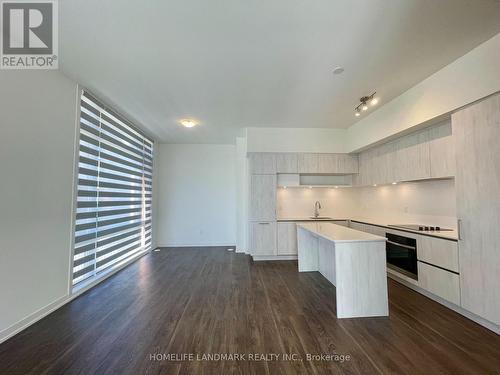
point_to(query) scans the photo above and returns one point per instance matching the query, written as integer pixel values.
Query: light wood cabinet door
(385, 164)
(368, 167)
(262, 163)
(263, 238)
(413, 159)
(262, 197)
(476, 133)
(442, 253)
(442, 151)
(308, 163)
(287, 238)
(327, 163)
(287, 163)
(347, 163)
(357, 226)
(442, 283)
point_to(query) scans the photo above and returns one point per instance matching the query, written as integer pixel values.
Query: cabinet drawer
(442, 253)
(263, 238)
(442, 283)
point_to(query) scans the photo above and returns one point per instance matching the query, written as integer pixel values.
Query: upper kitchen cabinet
(262, 163)
(327, 163)
(386, 158)
(476, 131)
(287, 163)
(426, 154)
(308, 163)
(366, 168)
(442, 151)
(412, 157)
(346, 163)
(377, 165)
(262, 197)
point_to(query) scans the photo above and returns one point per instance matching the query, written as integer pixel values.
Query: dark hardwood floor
(207, 300)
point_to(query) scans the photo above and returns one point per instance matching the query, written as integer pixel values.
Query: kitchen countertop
(310, 219)
(448, 235)
(339, 233)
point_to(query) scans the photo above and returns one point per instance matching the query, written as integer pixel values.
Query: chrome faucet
(317, 207)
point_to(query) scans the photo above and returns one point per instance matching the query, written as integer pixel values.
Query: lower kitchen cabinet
(442, 253)
(287, 239)
(263, 238)
(440, 282)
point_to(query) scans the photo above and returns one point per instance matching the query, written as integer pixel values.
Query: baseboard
(260, 258)
(475, 318)
(33, 318)
(197, 245)
(51, 307)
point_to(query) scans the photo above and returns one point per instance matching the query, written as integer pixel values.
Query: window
(113, 209)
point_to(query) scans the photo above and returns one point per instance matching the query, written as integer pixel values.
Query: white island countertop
(339, 233)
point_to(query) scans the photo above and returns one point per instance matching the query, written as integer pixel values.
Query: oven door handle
(399, 244)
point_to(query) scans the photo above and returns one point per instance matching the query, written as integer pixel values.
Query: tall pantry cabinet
(476, 132)
(262, 205)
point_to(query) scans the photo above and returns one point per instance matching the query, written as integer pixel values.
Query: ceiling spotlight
(357, 113)
(363, 105)
(394, 183)
(188, 123)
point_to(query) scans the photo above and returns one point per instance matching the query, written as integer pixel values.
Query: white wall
(37, 139)
(196, 195)
(469, 78)
(296, 140)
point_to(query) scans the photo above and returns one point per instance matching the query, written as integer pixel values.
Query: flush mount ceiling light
(338, 70)
(363, 105)
(188, 123)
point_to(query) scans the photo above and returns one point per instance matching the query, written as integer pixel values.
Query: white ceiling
(233, 64)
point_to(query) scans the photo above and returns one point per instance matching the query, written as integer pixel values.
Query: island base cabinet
(361, 279)
(442, 283)
(263, 238)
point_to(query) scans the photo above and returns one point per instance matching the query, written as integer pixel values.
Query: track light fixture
(363, 105)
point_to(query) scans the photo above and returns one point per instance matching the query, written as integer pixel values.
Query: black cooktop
(420, 228)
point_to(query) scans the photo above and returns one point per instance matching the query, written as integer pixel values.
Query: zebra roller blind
(114, 199)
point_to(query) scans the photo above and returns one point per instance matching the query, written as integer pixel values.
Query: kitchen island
(351, 260)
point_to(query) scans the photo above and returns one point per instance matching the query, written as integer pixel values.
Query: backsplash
(430, 202)
(299, 202)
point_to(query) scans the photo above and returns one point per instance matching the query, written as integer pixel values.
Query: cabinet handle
(459, 228)
(264, 223)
